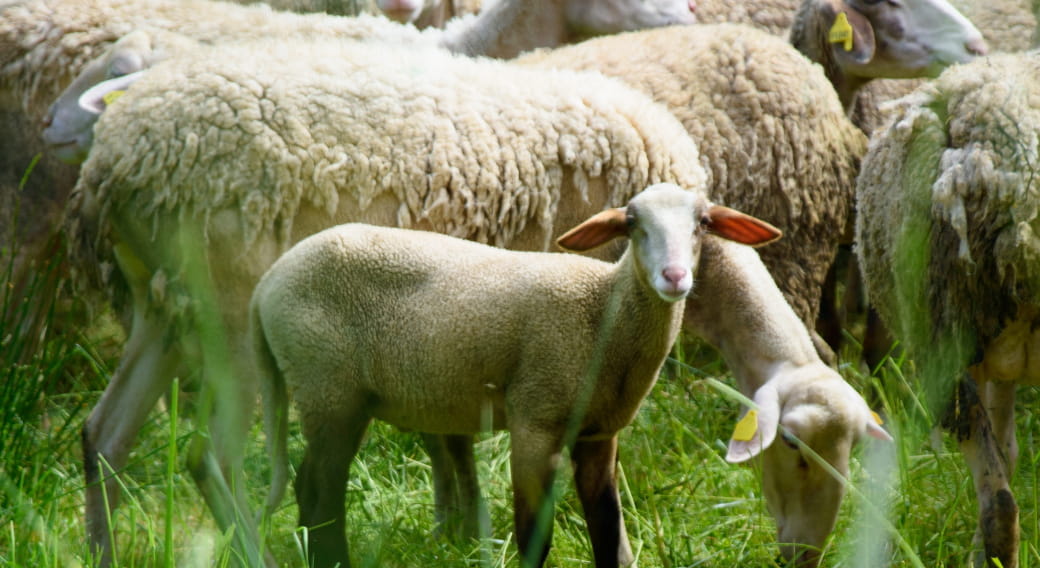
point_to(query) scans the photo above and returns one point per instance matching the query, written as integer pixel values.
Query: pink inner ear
(740, 227)
(595, 231)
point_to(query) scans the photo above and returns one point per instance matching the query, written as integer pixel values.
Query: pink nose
(674, 275)
(693, 6)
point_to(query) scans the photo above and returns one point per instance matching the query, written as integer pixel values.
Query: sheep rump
(965, 149)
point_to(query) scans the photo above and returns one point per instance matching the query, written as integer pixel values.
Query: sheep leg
(997, 532)
(321, 485)
(215, 456)
(595, 476)
(459, 508)
(534, 458)
(145, 372)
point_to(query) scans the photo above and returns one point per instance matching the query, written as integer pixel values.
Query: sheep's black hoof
(999, 523)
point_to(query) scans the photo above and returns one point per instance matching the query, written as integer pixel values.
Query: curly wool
(322, 131)
(774, 16)
(954, 174)
(771, 133)
(44, 44)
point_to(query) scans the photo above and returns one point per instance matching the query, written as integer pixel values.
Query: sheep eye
(630, 221)
(705, 220)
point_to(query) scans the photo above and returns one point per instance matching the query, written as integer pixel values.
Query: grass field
(911, 503)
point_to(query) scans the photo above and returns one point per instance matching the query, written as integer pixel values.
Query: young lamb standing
(947, 234)
(437, 334)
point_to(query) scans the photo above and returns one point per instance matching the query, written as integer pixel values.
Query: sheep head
(814, 411)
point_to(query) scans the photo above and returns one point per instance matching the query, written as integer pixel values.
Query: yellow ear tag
(111, 96)
(841, 31)
(747, 427)
(877, 418)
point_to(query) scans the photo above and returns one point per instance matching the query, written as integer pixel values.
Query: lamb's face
(805, 414)
(665, 230)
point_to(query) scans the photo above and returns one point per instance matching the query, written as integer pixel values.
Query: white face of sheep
(807, 411)
(665, 225)
(909, 38)
(69, 122)
(601, 17)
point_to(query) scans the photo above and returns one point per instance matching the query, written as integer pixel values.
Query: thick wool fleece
(263, 151)
(44, 44)
(771, 133)
(948, 225)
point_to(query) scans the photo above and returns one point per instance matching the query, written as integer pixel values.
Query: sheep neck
(744, 315)
(635, 331)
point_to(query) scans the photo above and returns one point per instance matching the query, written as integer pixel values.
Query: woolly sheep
(948, 245)
(795, 391)
(576, 345)
(324, 133)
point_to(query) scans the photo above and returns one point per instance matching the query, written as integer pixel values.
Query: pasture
(911, 503)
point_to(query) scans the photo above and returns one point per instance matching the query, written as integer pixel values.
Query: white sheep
(437, 334)
(797, 395)
(947, 234)
(323, 133)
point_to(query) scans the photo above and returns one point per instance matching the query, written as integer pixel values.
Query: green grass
(684, 505)
(911, 503)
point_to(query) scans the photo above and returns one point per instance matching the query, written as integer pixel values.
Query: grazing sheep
(323, 133)
(948, 245)
(363, 322)
(792, 387)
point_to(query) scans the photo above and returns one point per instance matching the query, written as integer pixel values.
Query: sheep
(947, 243)
(793, 389)
(322, 133)
(576, 345)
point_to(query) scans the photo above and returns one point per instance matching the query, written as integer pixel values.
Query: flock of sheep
(254, 192)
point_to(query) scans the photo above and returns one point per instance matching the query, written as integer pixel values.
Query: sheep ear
(874, 429)
(97, 98)
(756, 430)
(740, 227)
(851, 34)
(596, 230)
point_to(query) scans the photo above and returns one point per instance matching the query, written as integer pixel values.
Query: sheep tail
(275, 409)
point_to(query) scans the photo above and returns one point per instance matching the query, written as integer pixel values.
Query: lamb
(948, 245)
(576, 345)
(323, 133)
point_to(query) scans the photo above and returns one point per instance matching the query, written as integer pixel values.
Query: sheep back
(263, 153)
(771, 132)
(947, 220)
(44, 44)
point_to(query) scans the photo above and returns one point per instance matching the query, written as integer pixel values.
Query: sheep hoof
(999, 524)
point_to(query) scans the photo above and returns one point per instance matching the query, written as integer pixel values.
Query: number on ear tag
(747, 427)
(841, 31)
